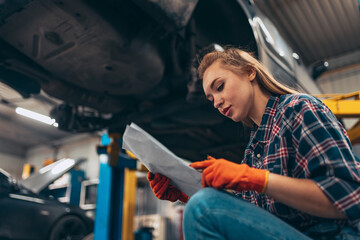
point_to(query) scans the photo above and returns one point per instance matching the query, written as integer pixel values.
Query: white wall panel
(356, 149)
(12, 164)
(346, 80)
(80, 146)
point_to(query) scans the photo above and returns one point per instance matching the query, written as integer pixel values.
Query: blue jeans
(212, 214)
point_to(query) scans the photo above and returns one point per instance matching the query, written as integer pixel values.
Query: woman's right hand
(162, 189)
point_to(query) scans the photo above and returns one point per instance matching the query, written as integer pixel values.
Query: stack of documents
(158, 159)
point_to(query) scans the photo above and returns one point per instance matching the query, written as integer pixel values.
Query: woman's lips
(226, 111)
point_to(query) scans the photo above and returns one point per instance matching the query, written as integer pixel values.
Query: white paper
(158, 159)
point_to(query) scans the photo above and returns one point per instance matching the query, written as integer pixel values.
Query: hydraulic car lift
(115, 204)
(345, 106)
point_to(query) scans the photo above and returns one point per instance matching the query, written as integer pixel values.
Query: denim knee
(216, 214)
(201, 202)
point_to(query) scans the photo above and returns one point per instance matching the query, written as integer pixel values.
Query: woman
(298, 170)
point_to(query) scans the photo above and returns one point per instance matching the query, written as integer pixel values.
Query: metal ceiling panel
(21, 130)
(316, 29)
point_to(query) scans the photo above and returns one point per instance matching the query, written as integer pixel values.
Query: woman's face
(231, 94)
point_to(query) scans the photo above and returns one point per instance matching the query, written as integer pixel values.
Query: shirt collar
(263, 132)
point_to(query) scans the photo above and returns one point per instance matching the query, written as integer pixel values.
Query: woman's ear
(251, 74)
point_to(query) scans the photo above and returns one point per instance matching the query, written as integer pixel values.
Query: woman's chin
(237, 118)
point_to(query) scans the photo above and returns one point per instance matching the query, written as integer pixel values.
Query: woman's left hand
(221, 173)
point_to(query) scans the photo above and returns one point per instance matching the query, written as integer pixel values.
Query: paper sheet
(158, 159)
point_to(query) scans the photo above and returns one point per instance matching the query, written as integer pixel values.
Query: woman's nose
(218, 102)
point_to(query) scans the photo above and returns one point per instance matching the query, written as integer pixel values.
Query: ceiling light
(296, 56)
(36, 116)
(218, 48)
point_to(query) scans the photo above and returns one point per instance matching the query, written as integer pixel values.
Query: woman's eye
(220, 87)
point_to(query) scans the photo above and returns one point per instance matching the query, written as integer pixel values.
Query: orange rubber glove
(162, 190)
(221, 173)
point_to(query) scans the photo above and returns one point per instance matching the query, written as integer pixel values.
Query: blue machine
(144, 233)
(109, 203)
(77, 176)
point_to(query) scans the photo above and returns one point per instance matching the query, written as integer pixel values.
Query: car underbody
(116, 62)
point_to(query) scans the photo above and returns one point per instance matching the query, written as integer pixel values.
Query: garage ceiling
(316, 29)
(18, 133)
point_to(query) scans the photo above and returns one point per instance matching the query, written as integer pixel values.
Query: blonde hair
(240, 62)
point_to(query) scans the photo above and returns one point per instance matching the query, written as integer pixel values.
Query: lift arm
(345, 106)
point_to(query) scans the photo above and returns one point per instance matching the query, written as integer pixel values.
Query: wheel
(68, 228)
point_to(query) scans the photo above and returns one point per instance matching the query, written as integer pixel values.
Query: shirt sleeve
(324, 154)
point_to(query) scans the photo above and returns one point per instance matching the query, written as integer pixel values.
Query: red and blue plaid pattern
(300, 137)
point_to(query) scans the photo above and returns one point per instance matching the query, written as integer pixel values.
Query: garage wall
(12, 164)
(147, 204)
(356, 150)
(343, 80)
(78, 146)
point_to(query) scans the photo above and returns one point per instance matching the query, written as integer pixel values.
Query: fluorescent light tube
(36, 116)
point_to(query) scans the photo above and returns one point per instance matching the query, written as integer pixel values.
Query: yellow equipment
(345, 106)
(28, 169)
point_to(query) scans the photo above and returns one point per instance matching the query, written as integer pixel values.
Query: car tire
(68, 228)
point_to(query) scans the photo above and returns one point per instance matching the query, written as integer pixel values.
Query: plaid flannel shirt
(300, 137)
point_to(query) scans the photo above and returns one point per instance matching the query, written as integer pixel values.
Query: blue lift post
(76, 177)
(110, 192)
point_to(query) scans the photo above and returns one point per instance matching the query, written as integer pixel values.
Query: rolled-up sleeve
(324, 154)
